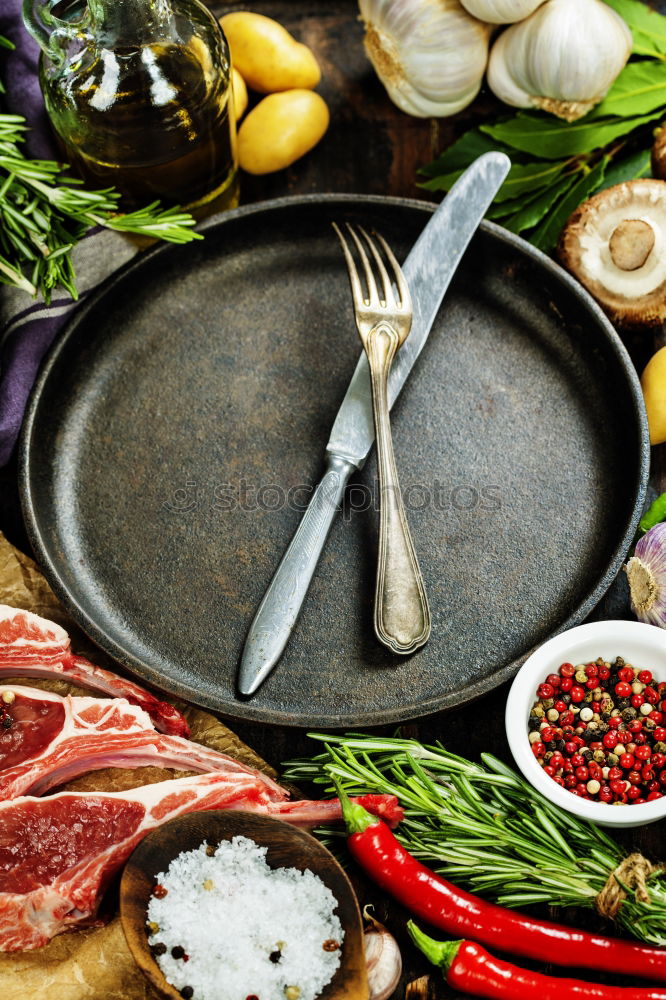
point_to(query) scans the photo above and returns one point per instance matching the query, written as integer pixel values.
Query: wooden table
(372, 148)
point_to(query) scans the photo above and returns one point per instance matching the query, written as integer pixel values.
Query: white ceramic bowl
(642, 646)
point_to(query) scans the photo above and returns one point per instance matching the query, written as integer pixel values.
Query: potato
(266, 55)
(653, 383)
(280, 129)
(240, 93)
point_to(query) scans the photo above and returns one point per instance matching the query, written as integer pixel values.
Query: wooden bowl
(287, 847)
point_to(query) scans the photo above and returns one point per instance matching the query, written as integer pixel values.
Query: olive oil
(140, 99)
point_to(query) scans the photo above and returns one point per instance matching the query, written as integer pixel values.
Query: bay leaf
(628, 168)
(552, 139)
(647, 27)
(639, 89)
(459, 155)
(536, 209)
(546, 235)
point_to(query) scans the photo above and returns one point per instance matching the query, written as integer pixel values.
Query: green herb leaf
(458, 156)
(655, 514)
(647, 27)
(534, 211)
(553, 139)
(545, 237)
(628, 168)
(639, 89)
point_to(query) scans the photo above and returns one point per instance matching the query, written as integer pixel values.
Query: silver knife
(428, 269)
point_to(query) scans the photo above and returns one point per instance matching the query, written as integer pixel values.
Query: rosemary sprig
(485, 827)
(44, 213)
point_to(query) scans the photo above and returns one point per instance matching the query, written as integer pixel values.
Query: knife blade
(428, 269)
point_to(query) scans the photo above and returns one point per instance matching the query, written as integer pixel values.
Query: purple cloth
(28, 326)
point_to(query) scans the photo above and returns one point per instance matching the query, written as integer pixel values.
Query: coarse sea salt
(248, 930)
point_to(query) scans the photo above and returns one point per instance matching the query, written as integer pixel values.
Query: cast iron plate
(198, 388)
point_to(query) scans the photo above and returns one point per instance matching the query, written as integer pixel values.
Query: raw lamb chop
(57, 854)
(31, 646)
(52, 739)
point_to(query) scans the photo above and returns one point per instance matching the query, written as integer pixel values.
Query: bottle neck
(130, 22)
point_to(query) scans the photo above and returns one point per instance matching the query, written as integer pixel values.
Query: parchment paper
(91, 964)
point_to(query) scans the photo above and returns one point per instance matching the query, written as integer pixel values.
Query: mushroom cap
(631, 297)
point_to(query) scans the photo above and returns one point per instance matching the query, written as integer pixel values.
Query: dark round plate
(181, 418)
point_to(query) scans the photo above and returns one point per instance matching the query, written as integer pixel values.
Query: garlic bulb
(429, 54)
(563, 58)
(646, 573)
(501, 11)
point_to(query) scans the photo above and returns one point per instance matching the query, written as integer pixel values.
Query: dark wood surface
(371, 147)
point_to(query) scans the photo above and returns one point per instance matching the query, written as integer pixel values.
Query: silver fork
(383, 320)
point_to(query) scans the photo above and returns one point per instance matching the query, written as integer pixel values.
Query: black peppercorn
(159, 948)
(6, 722)
(177, 951)
(275, 956)
(187, 992)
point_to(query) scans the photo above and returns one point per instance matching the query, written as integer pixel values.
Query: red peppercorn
(659, 734)
(570, 781)
(554, 680)
(610, 739)
(605, 794)
(550, 770)
(596, 707)
(642, 753)
(626, 674)
(656, 717)
(577, 693)
(623, 689)
(637, 700)
(645, 676)
(545, 691)
(592, 670)
(566, 684)
(577, 760)
(581, 789)
(633, 793)
(159, 892)
(566, 720)
(570, 748)
(547, 734)
(615, 721)
(538, 749)
(654, 795)
(617, 787)
(614, 774)
(662, 778)
(560, 781)
(567, 670)
(634, 777)
(604, 673)
(650, 695)
(659, 760)
(596, 745)
(627, 761)
(560, 706)
(647, 773)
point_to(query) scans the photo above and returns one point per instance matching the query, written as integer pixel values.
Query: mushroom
(615, 244)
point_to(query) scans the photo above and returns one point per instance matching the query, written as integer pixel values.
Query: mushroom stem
(631, 243)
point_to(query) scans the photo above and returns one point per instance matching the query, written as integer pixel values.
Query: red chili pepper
(457, 912)
(471, 969)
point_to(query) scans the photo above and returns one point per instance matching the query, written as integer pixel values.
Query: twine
(633, 873)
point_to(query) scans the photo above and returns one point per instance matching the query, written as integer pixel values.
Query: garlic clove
(383, 959)
(646, 573)
(501, 11)
(563, 58)
(429, 54)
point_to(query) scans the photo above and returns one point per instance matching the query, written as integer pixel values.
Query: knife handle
(402, 615)
(279, 609)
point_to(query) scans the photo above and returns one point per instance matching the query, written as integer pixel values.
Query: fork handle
(402, 615)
